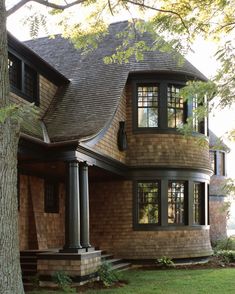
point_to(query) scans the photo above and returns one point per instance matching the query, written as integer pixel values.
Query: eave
(41, 66)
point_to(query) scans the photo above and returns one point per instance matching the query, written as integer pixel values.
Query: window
(176, 202)
(158, 106)
(221, 163)
(213, 161)
(23, 79)
(148, 194)
(51, 197)
(197, 201)
(217, 161)
(162, 203)
(30, 83)
(15, 71)
(175, 107)
(147, 106)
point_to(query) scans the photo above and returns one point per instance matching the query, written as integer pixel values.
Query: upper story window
(175, 107)
(148, 106)
(15, 71)
(159, 107)
(23, 79)
(217, 160)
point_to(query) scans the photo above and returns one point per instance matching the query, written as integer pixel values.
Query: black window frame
(201, 206)
(185, 204)
(218, 156)
(188, 211)
(149, 85)
(20, 90)
(162, 80)
(158, 202)
(51, 207)
(162, 84)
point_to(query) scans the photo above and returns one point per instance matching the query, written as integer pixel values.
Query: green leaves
(18, 112)
(35, 21)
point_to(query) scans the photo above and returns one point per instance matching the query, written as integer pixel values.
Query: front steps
(117, 264)
(28, 261)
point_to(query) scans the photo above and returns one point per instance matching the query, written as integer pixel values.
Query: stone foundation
(79, 267)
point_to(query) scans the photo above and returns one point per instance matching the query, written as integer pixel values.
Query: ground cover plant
(168, 281)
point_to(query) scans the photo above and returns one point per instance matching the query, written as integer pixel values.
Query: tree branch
(45, 3)
(143, 5)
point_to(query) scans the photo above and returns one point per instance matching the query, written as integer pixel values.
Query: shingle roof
(217, 143)
(88, 103)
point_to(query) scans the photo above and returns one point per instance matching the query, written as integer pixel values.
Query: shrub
(165, 261)
(63, 281)
(226, 256)
(34, 280)
(107, 275)
(225, 244)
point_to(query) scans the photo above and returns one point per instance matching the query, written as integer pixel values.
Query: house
(218, 203)
(104, 165)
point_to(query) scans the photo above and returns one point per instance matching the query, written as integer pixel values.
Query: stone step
(28, 259)
(28, 265)
(114, 261)
(121, 266)
(29, 272)
(106, 257)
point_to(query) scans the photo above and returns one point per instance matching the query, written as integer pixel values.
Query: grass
(172, 282)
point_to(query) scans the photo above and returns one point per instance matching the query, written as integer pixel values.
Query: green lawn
(173, 281)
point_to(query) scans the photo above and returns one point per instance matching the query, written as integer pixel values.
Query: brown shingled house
(104, 166)
(217, 195)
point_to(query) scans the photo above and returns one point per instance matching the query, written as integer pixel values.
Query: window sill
(138, 227)
(24, 96)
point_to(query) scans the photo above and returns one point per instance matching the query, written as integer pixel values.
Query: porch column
(72, 210)
(84, 203)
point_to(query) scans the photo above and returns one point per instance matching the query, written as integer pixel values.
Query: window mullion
(23, 77)
(204, 201)
(163, 106)
(190, 211)
(164, 203)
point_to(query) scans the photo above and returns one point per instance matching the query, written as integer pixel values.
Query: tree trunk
(10, 272)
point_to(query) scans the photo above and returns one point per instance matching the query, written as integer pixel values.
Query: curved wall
(159, 149)
(111, 211)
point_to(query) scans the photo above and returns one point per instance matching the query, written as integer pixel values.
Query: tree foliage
(179, 22)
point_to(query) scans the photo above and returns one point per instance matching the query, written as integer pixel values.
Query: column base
(72, 250)
(90, 249)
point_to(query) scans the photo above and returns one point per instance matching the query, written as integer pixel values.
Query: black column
(84, 203)
(72, 210)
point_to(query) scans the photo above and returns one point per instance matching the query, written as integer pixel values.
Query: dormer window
(148, 106)
(158, 106)
(175, 107)
(23, 79)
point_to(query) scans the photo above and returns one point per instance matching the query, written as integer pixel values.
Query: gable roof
(217, 143)
(87, 104)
